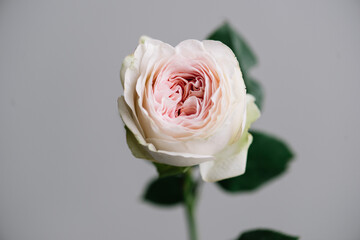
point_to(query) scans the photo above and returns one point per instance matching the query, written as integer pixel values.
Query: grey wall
(66, 171)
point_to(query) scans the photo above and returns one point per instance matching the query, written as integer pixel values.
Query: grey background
(66, 171)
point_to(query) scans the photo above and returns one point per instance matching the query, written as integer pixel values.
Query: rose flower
(187, 105)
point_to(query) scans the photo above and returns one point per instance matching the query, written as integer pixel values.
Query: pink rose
(187, 105)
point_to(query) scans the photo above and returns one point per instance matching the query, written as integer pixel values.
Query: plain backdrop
(66, 172)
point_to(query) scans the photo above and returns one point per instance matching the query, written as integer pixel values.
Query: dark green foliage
(265, 234)
(166, 191)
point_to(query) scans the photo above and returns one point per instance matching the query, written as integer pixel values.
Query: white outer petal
(180, 159)
(124, 66)
(231, 161)
(132, 70)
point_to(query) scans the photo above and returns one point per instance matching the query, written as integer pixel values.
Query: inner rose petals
(182, 92)
(191, 106)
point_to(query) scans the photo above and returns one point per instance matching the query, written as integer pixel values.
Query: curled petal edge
(141, 149)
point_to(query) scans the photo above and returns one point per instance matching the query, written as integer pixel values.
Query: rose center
(186, 95)
(182, 92)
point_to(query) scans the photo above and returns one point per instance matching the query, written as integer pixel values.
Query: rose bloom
(187, 105)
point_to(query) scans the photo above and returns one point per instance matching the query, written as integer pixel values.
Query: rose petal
(125, 65)
(166, 157)
(128, 119)
(180, 159)
(231, 161)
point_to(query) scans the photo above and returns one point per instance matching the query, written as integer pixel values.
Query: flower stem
(190, 204)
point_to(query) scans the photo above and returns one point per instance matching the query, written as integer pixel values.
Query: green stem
(190, 202)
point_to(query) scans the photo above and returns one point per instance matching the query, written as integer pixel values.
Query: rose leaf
(166, 191)
(265, 234)
(268, 158)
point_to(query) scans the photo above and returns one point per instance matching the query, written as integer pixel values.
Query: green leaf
(268, 158)
(166, 191)
(265, 234)
(227, 35)
(165, 170)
